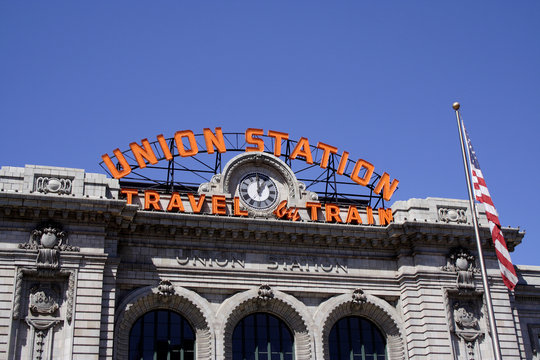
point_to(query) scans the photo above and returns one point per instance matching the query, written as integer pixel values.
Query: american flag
(481, 194)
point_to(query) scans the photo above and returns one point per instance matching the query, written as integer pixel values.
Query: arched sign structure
(182, 162)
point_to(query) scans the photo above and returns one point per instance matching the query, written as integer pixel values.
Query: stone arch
(378, 311)
(286, 307)
(193, 307)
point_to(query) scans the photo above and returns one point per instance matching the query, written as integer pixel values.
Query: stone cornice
(117, 215)
(64, 207)
(409, 234)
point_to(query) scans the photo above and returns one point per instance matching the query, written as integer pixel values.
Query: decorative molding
(43, 300)
(265, 293)
(457, 215)
(284, 306)
(466, 315)
(54, 185)
(18, 291)
(376, 310)
(165, 289)
(358, 298)
(70, 295)
(187, 303)
(42, 277)
(41, 335)
(460, 260)
(48, 239)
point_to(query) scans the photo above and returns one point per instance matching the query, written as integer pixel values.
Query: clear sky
(376, 78)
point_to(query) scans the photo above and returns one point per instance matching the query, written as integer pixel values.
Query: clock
(258, 191)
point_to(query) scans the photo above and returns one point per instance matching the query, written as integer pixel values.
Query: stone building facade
(81, 266)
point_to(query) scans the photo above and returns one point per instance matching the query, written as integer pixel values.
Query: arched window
(161, 335)
(356, 338)
(262, 336)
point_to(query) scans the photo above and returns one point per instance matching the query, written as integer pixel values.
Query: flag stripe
(481, 193)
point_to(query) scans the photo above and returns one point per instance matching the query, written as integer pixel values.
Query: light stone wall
(216, 264)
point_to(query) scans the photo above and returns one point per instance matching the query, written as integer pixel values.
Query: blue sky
(376, 78)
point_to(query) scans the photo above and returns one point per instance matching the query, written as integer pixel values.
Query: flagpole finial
(455, 106)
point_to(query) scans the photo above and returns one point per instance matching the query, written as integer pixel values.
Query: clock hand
(258, 185)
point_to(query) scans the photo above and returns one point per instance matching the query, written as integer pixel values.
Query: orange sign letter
(196, 206)
(219, 206)
(302, 149)
(369, 213)
(143, 153)
(214, 140)
(343, 163)
(129, 194)
(367, 176)
(175, 203)
(353, 215)
(313, 210)
(237, 210)
(180, 145)
(277, 142)
(332, 213)
(164, 147)
(254, 140)
(151, 198)
(117, 173)
(384, 184)
(385, 216)
(327, 150)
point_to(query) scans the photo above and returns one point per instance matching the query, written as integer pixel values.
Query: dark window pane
(188, 331)
(161, 334)
(356, 338)
(262, 336)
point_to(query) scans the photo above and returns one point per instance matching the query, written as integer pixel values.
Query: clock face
(258, 191)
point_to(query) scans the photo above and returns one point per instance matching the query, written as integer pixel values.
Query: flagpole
(487, 293)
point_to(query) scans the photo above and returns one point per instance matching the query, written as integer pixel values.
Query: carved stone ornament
(43, 301)
(42, 335)
(457, 215)
(44, 278)
(53, 185)
(467, 326)
(48, 240)
(165, 288)
(464, 316)
(265, 293)
(460, 260)
(358, 298)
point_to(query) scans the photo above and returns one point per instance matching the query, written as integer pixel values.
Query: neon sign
(186, 145)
